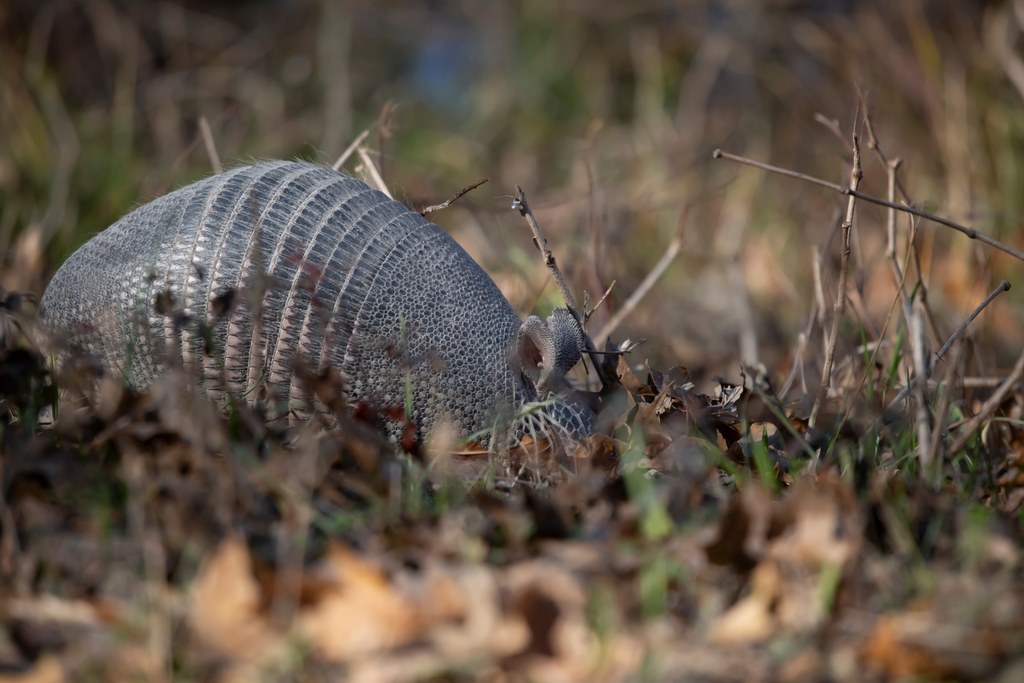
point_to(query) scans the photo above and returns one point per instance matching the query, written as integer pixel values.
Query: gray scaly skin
(356, 281)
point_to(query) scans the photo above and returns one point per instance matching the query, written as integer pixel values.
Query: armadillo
(325, 269)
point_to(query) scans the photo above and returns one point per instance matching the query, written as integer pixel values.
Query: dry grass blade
(210, 144)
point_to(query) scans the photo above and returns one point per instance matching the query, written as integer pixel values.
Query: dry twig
(372, 171)
(349, 150)
(588, 310)
(989, 406)
(656, 272)
(840, 304)
(454, 198)
(519, 203)
(1004, 286)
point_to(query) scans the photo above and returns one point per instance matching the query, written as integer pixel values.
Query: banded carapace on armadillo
(322, 267)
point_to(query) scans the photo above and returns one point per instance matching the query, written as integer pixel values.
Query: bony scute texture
(322, 267)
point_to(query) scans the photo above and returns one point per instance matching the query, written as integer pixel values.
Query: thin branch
(373, 171)
(894, 185)
(211, 147)
(989, 407)
(832, 125)
(851, 191)
(588, 312)
(520, 204)
(656, 272)
(840, 304)
(874, 146)
(1004, 286)
(454, 198)
(349, 150)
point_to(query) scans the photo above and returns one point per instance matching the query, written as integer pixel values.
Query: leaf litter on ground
(149, 536)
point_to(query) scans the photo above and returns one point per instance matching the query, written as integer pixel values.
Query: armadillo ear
(533, 339)
(548, 350)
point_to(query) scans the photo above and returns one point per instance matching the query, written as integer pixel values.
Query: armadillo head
(545, 352)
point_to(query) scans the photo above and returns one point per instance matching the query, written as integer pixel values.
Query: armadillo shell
(320, 265)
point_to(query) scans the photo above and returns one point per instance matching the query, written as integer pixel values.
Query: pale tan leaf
(46, 670)
(224, 607)
(360, 611)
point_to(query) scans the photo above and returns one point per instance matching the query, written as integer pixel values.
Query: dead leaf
(360, 611)
(46, 670)
(224, 606)
(740, 540)
(751, 619)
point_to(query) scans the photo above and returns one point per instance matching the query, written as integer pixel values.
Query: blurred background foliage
(605, 112)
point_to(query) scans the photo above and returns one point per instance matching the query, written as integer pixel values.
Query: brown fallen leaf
(46, 670)
(888, 649)
(224, 606)
(740, 539)
(359, 610)
(752, 619)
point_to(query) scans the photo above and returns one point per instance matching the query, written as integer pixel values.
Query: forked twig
(587, 312)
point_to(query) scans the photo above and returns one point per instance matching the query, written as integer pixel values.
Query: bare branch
(1004, 286)
(656, 272)
(454, 198)
(588, 312)
(832, 125)
(349, 150)
(840, 304)
(372, 171)
(520, 204)
(989, 407)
